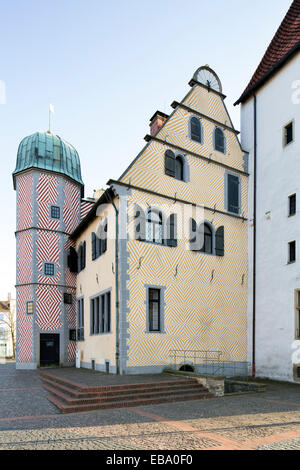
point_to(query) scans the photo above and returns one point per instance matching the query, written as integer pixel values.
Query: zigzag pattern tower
(47, 176)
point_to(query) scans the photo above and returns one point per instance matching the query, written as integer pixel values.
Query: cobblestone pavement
(264, 421)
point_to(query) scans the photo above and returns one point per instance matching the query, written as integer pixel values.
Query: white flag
(51, 108)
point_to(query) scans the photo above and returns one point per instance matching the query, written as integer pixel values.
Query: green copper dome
(47, 151)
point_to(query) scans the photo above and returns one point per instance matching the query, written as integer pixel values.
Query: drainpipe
(254, 237)
(117, 286)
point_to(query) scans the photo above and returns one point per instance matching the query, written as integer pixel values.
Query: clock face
(209, 78)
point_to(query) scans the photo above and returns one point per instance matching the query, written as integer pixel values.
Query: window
(288, 134)
(101, 314)
(68, 298)
(176, 166)
(2, 334)
(205, 238)
(196, 130)
(219, 140)
(49, 269)
(292, 205)
(80, 320)
(292, 252)
(99, 244)
(81, 256)
(233, 193)
(297, 306)
(72, 335)
(179, 168)
(55, 212)
(154, 309)
(154, 227)
(29, 307)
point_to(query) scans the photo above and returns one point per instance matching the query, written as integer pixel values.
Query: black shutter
(170, 163)
(83, 255)
(139, 223)
(73, 260)
(172, 230)
(194, 236)
(233, 193)
(220, 241)
(93, 246)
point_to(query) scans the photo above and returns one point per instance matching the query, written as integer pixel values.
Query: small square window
(29, 308)
(55, 212)
(72, 335)
(49, 269)
(68, 299)
(292, 205)
(292, 252)
(288, 134)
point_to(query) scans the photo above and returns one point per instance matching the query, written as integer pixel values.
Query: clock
(208, 78)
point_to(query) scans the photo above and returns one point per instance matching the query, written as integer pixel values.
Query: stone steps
(70, 397)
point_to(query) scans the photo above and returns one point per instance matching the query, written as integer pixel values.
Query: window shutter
(73, 260)
(194, 236)
(93, 246)
(172, 230)
(170, 163)
(233, 193)
(139, 223)
(220, 241)
(83, 255)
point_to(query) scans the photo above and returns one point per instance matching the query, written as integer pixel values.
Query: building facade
(270, 120)
(162, 255)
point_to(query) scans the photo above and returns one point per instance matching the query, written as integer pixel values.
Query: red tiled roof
(285, 42)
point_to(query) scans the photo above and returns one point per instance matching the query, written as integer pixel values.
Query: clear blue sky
(107, 67)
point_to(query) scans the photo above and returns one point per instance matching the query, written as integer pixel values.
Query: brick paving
(263, 421)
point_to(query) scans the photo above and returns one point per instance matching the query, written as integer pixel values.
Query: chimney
(157, 120)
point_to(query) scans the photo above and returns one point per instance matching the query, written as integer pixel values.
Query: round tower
(48, 185)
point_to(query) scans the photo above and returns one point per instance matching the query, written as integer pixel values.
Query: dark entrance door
(49, 349)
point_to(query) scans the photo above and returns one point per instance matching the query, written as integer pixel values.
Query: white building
(270, 130)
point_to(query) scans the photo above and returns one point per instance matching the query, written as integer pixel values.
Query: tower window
(288, 134)
(29, 307)
(297, 307)
(292, 252)
(49, 269)
(55, 212)
(68, 298)
(292, 205)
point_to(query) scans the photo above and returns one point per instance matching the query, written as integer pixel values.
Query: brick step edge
(118, 392)
(123, 404)
(104, 399)
(108, 388)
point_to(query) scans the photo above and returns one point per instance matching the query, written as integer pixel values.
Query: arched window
(206, 238)
(219, 140)
(179, 168)
(154, 226)
(196, 129)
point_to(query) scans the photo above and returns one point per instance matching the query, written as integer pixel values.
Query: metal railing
(208, 363)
